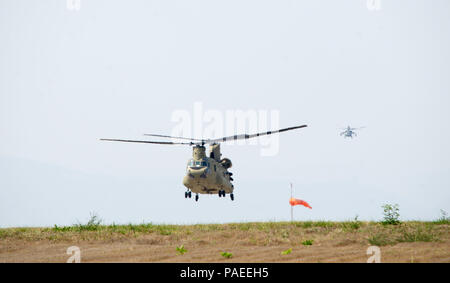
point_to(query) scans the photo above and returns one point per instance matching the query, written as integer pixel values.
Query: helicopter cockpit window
(193, 163)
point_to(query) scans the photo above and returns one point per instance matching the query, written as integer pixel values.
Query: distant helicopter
(207, 175)
(350, 132)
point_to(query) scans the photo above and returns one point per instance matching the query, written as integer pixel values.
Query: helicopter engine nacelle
(226, 163)
(198, 152)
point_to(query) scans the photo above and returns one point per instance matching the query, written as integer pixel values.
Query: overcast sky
(118, 69)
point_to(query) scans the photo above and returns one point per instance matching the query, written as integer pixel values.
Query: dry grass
(319, 241)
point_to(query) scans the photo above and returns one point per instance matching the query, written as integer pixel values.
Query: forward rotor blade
(152, 142)
(246, 136)
(164, 136)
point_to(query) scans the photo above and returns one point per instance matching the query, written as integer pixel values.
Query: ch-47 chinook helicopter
(207, 175)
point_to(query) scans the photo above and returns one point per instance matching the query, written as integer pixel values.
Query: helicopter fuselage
(207, 175)
(349, 134)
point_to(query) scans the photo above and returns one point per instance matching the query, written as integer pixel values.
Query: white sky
(118, 69)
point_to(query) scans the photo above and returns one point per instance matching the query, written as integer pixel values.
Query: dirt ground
(249, 242)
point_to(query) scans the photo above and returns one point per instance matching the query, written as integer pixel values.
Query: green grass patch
(317, 224)
(244, 226)
(3, 234)
(417, 235)
(181, 250)
(352, 225)
(380, 239)
(286, 252)
(226, 254)
(306, 224)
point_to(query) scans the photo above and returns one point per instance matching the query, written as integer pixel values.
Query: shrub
(444, 219)
(181, 249)
(391, 214)
(93, 223)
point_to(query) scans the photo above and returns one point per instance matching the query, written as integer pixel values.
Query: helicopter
(350, 132)
(207, 175)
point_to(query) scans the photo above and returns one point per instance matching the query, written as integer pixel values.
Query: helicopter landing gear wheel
(186, 194)
(221, 193)
(232, 196)
(189, 194)
(196, 197)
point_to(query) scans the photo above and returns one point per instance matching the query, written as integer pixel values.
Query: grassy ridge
(258, 233)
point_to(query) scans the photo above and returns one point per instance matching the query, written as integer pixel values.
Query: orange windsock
(294, 201)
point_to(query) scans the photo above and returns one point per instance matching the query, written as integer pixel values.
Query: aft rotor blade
(171, 137)
(152, 142)
(246, 136)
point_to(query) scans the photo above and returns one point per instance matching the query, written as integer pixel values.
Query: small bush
(93, 223)
(391, 214)
(181, 249)
(308, 242)
(444, 219)
(227, 254)
(286, 252)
